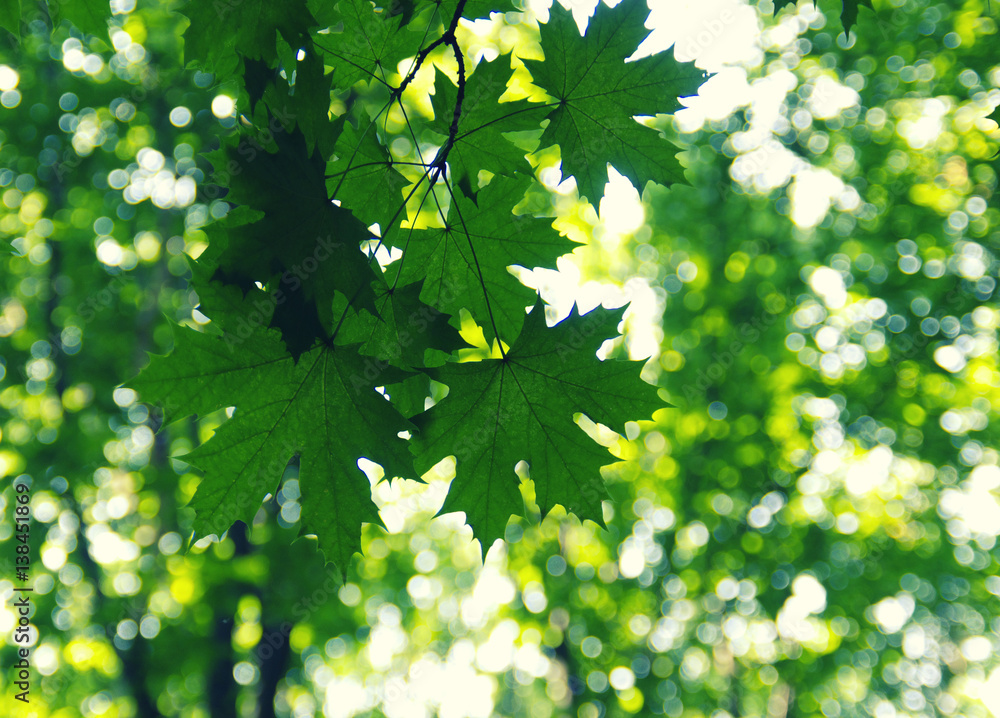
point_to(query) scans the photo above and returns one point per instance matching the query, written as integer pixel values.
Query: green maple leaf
(472, 10)
(257, 77)
(849, 13)
(221, 30)
(597, 94)
(90, 16)
(465, 262)
(323, 408)
(310, 101)
(475, 9)
(410, 395)
(368, 45)
(298, 91)
(779, 4)
(363, 176)
(303, 242)
(479, 141)
(502, 411)
(404, 330)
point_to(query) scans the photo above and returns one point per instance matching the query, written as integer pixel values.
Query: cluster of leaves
(307, 323)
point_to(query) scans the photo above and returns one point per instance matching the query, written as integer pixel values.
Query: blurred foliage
(810, 532)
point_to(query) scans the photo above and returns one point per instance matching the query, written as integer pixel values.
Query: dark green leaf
(221, 29)
(257, 76)
(304, 242)
(404, 330)
(323, 408)
(502, 411)
(90, 16)
(310, 101)
(363, 177)
(597, 94)
(410, 395)
(369, 44)
(465, 263)
(849, 15)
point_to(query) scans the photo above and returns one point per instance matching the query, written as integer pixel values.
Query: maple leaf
(90, 16)
(404, 330)
(323, 408)
(445, 9)
(363, 176)
(597, 94)
(307, 102)
(849, 13)
(499, 412)
(302, 241)
(303, 329)
(365, 43)
(479, 139)
(465, 262)
(410, 395)
(222, 30)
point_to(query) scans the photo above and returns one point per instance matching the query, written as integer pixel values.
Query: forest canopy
(469, 358)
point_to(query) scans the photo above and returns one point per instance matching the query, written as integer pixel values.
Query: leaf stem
(479, 270)
(373, 164)
(436, 170)
(354, 64)
(409, 236)
(371, 256)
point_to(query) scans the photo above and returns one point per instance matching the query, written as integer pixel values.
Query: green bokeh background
(810, 531)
